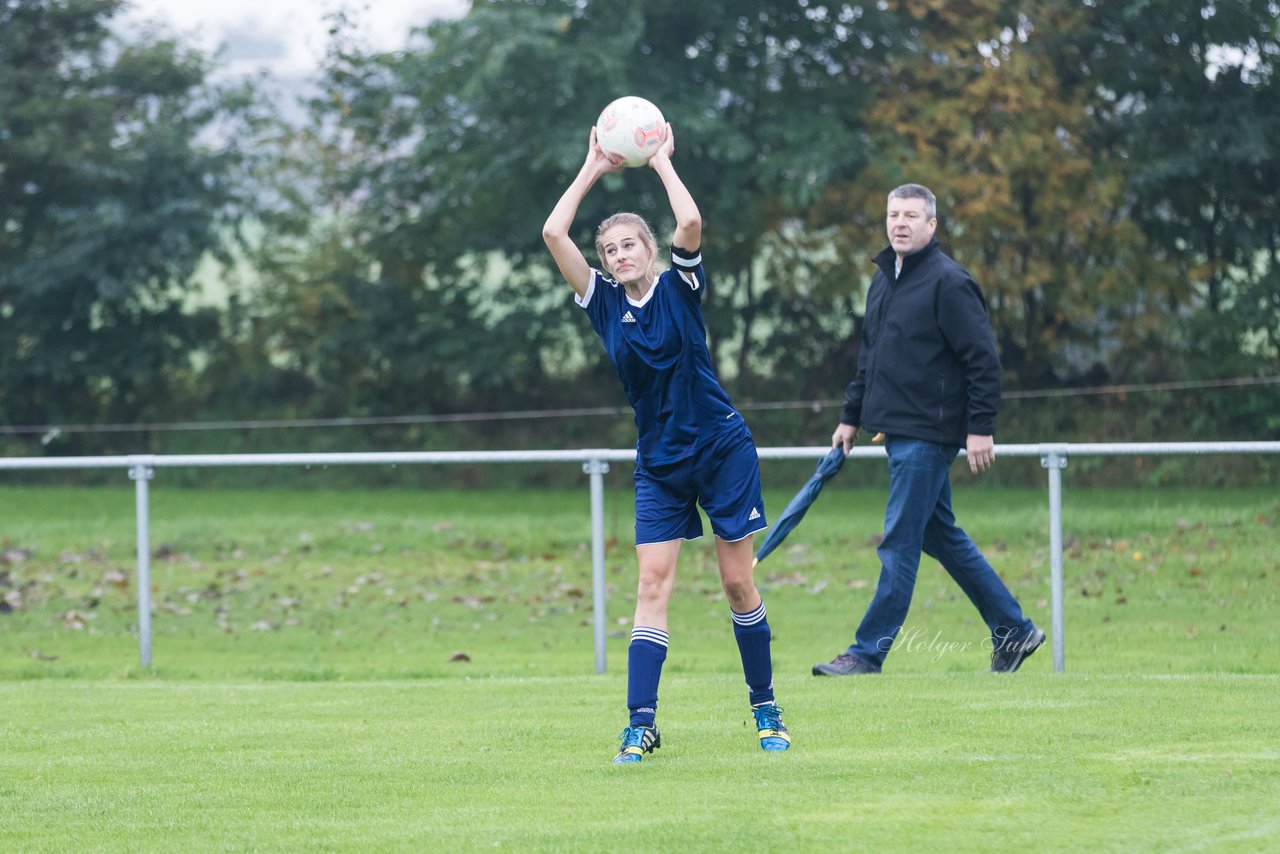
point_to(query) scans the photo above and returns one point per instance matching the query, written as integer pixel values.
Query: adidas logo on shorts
(755, 514)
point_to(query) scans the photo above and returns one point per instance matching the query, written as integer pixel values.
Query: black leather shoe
(844, 664)
(1007, 656)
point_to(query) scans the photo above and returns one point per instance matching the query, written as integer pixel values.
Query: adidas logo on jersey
(755, 514)
(628, 318)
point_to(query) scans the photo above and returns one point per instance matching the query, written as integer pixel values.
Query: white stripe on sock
(750, 618)
(651, 635)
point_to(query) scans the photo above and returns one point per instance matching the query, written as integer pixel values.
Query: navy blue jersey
(658, 346)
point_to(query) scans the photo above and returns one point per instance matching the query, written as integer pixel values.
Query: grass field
(400, 670)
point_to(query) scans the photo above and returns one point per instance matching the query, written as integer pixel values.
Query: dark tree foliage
(1108, 171)
(109, 197)
(1189, 96)
(422, 284)
(442, 162)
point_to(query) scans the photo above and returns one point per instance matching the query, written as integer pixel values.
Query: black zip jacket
(927, 367)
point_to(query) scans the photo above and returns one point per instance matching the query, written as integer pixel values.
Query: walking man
(928, 378)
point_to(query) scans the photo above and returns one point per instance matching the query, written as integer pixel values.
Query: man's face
(909, 230)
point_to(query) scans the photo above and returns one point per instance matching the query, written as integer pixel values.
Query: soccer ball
(630, 130)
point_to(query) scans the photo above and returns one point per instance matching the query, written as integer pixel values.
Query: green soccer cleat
(772, 731)
(635, 741)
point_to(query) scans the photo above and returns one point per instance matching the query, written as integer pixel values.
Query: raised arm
(688, 220)
(555, 231)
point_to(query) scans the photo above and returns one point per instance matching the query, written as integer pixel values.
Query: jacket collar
(888, 258)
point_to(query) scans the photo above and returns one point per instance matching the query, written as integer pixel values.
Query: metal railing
(595, 463)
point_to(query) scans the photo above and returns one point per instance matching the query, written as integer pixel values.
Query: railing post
(141, 474)
(1055, 460)
(597, 469)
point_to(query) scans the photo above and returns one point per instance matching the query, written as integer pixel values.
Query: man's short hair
(917, 191)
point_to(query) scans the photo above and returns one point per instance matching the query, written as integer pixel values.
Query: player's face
(626, 255)
(908, 227)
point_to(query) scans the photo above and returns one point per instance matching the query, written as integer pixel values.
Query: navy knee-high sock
(644, 668)
(753, 635)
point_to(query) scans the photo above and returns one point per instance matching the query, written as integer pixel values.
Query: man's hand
(981, 452)
(846, 434)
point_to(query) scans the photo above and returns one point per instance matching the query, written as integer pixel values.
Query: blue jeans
(917, 519)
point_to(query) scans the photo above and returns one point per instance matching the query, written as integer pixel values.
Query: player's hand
(666, 150)
(846, 435)
(981, 452)
(597, 159)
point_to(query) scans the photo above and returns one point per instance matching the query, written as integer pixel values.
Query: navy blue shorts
(724, 477)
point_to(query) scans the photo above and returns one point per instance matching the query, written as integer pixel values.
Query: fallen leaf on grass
(76, 620)
(14, 556)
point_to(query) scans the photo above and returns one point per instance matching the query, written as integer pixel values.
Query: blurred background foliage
(177, 251)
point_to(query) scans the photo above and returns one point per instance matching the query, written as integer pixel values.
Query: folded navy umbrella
(799, 505)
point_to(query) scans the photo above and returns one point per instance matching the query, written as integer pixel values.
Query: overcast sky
(286, 37)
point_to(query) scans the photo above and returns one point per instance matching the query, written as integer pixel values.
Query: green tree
(987, 108)
(1188, 94)
(111, 191)
(406, 271)
(438, 165)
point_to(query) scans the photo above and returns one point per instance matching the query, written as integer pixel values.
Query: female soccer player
(694, 447)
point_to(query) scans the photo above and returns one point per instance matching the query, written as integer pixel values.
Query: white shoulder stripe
(591, 289)
(690, 279)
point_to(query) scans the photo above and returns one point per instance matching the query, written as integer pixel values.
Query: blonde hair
(646, 237)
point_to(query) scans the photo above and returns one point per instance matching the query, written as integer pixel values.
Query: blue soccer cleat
(772, 731)
(635, 741)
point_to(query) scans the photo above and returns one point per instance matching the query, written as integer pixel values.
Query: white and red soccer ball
(630, 130)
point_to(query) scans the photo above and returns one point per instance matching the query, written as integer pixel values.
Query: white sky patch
(1222, 56)
(287, 38)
